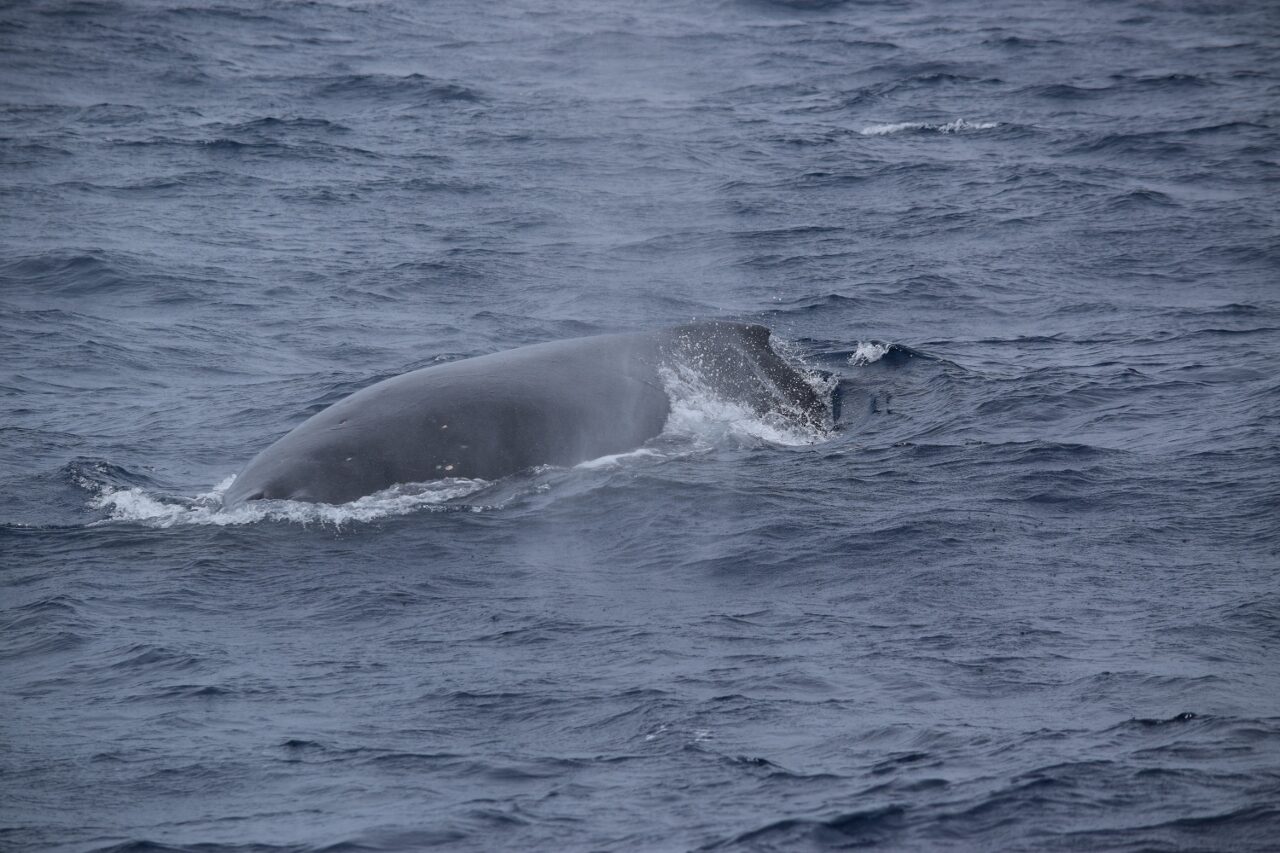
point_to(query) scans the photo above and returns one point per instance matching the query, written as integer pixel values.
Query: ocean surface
(1024, 594)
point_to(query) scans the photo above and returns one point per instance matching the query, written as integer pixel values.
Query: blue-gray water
(1024, 596)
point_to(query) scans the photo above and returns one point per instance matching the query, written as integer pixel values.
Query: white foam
(698, 413)
(886, 129)
(868, 352)
(614, 460)
(956, 126)
(135, 505)
(960, 124)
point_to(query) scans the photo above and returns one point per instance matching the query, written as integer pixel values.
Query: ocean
(1022, 593)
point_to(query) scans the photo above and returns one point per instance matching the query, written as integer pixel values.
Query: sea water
(1022, 595)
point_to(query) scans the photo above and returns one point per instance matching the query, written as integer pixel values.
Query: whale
(558, 403)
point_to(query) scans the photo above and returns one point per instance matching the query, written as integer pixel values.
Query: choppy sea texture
(1024, 596)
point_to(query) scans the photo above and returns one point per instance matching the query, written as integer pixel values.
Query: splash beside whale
(557, 403)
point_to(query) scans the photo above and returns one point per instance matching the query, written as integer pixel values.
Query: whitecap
(868, 352)
(956, 126)
(138, 506)
(886, 129)
(614, 460)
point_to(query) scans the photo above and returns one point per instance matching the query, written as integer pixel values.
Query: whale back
(556, 403)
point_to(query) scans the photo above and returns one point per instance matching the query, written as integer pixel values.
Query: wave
(73, 273)
(1162, 81)
(1152, 143)
(139, 505)
(272, 124)
(797, 5)
(171, 186)
(1066, 91)
(390, 86)
(959, 125)
(850, 829)
(869, 352)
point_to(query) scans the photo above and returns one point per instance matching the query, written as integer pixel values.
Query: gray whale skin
(557, 403)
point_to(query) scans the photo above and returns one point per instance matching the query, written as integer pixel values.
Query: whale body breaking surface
(557, 403)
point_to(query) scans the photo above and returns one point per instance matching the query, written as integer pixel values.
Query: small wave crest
(869, 352)
(613, 460)
(135, 504)
(958, 126)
